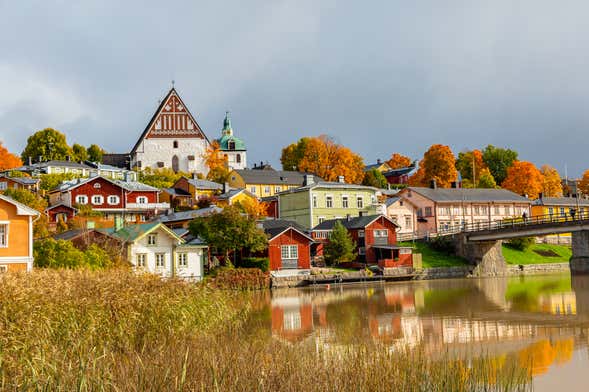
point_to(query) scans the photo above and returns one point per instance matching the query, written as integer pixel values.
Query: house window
(408, 222)
(419, 212)
(182, 260)
(289, 252)
(329, 201)
(141, 200)
(550, 211)
(82, 199)
(277, 189)
(3, 268)
(3, 186)
(444, 211)
(360, 202)
(238, 158)
(160, 260)
(497, 210)
(314, 201)
(321, 219)
(361, 251)
(360, 233)
(344, 201)
(562, 212)
(97, 199)
(267, 189)
(152, 239)
(113, 200)
(484, 210)
(231, 145)
(381, 233)
(141, 260)
(507, 210)
(477, 210)
(253, 190)
(175, 143)
(428, 211)
(4, 235)
(97, 185)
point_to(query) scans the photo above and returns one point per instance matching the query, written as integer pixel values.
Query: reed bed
(116, 331)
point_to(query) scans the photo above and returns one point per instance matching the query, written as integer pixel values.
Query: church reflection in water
(539, 319)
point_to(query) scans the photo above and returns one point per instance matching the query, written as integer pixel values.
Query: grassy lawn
(561, 253)
(433, 258)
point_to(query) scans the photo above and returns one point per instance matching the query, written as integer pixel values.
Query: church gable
(173, 120)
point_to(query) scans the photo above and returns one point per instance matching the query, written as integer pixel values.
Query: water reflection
(544, 319)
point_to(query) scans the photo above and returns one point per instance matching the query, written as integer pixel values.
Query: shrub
(50, 253)
(522, 243)
(442, 244)
(262, 263)
(241, 279)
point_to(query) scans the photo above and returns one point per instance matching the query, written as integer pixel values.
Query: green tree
(52, 181)
(160, 178)
(95, 153)
(498, 160)
(50, 253)
(486, 180)
(229, 230)
(48, 144)
(79, 153)
(36, 202)
(375, 178)
(293, 154)
(340, 248)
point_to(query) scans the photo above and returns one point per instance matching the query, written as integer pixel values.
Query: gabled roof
(22, 180)
(273, 177)
(176, 192)
(55, 163)
(234, 192)
(358, 222)
(21, 209)
(127, 185)
(274, 227)
(561, 201)
(329, 185)
(189, 214)
(376, 166)
(467, 195)
(133, 233)
(60, 205)
(164, 102)
(398, 172)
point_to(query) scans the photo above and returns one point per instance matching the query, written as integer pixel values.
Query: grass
(117, 331)
(432, 258)
(529, 256)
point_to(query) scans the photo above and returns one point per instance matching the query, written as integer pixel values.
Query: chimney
(540, 195)
(378, 161)
(433, 184)
(128, 177)
(68, 158)
(30, 160)
(454, 185)
(308, 180)
(225, 187)
(40, 159)
(341, 179)
(348, 217)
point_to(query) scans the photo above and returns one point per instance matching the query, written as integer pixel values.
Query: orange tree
(217, 163)
(398, 161)
(551, 184)
(438, 164)
(8, 160)
(583, 185)
(324, 158)
(524, 178)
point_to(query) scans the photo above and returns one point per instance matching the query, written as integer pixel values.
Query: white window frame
(360, 233)
(291, 252)
(3, 185)
(5, 225)
(141, 260)
(314, 201)
(3, 268)
(82, 199)
(361, 251)
(277, 189)
(345, 201)
(160, 260)
(113, 197)
(328, 201)
(359, 201)
(267, 189)
(100, 199)
(182, 259)
(152, 240)
(141, 200)
(253, 189)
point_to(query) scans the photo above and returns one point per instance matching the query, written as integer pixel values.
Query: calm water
(542, 317)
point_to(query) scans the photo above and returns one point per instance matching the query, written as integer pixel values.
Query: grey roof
(234, 192)
(330, 185)
(189, 238)
(391, 200)
(41, 166)
(68, 235)
(205, 184)
(358, 222)
(273, 177)
(176, 192)
(22, 180)
(398, 172)
(468, 195)
(190, 214)
(561, 201)
(274, 227)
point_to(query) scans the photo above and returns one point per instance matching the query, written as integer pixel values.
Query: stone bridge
(482, 247)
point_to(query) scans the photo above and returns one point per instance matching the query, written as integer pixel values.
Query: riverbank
(115, 330)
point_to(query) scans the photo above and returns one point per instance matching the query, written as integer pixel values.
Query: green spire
(227, 130)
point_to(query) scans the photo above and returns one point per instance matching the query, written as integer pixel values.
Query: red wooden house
(375, 237)
(289, 248)
(135, 201)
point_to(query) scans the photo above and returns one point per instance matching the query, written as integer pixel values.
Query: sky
(378, 76)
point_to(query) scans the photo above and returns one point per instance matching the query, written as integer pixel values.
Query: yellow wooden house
(267, 182)
(16, 235)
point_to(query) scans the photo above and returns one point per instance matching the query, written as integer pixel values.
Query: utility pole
(474, 180)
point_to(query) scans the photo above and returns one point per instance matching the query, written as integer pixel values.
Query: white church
(173, 139)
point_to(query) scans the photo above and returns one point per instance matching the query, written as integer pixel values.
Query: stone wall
(531, 269)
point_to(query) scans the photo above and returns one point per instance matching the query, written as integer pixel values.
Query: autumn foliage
(324, 158)
(584, 183)
(216, 162)
(551, 184)
(438, 164)
(524, 178)
(398, 161)
(8, 160)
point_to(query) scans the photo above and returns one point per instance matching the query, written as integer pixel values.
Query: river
(545, 318)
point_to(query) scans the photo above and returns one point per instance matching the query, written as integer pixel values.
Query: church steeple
(227, 130)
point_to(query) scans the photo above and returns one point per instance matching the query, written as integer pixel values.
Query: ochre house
(267, 182)
(16, 235)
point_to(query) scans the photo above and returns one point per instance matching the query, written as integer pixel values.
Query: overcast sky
(379, 76)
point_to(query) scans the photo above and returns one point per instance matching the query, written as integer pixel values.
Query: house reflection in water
(563, 304)
(292, 318)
